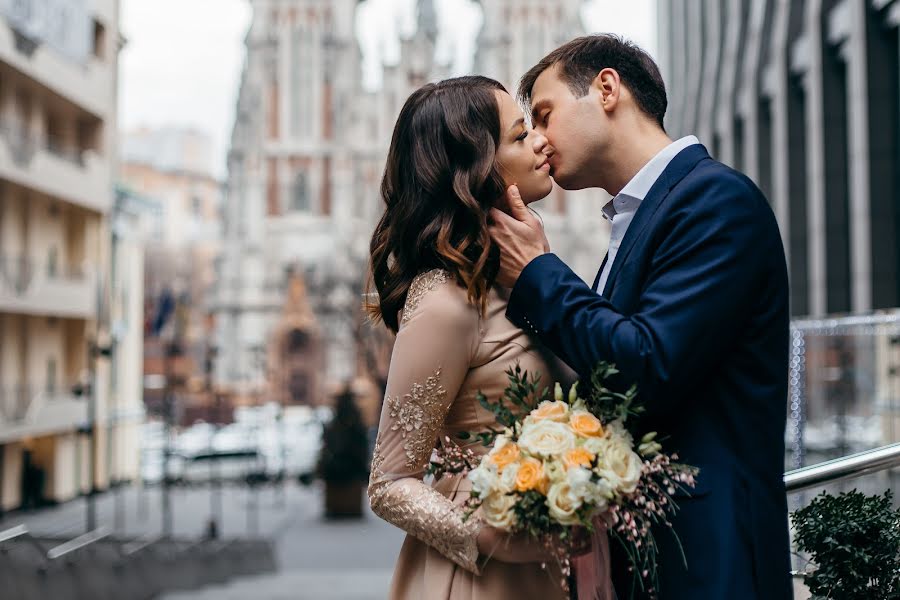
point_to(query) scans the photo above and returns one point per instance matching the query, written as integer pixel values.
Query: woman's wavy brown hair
(439, 183)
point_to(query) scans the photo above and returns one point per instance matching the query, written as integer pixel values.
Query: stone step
(301, 584)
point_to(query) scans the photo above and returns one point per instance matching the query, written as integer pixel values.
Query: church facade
(306, 157)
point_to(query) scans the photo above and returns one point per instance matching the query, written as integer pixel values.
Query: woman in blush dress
(457, 146)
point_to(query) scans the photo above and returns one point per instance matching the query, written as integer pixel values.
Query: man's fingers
(516, 205)
(498, 217)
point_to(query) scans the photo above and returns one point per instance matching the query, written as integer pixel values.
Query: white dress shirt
(620, 210)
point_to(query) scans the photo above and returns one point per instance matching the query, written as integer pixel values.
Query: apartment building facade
(63, 420)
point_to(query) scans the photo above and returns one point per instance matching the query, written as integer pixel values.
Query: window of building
(302, 85)
(51, 376)
(99, 48)
(298, 387)
(298, 341)
(300, 193)
(53, 262)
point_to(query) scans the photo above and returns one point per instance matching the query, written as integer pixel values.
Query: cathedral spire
(427, 19)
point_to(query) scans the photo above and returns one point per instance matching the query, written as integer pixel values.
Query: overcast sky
(182, 61)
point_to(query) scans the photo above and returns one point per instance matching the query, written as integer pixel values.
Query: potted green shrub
(853, 541)
(343, 460)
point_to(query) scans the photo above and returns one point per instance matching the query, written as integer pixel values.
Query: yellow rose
(578, 457)
(505, 455)
(550, 411)
(531, 476)
(585, 424)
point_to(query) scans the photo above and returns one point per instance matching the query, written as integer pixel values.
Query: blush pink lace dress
(445, 352)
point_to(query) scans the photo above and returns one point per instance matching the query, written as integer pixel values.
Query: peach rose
(585, 424)
(531, 476)
(550, 411)
(578, 457)
(505, 455)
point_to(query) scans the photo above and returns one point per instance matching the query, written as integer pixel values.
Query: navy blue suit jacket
(695, 311)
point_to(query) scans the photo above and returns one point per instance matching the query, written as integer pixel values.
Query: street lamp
(88, 390)
(215, 481)
(259, 359)
(172, 351)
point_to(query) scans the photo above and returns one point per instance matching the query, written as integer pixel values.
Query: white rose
(616, 431)
(562, 504)
(546, 438)
(484, 479)
(507, 481)
(497, 510)
(499, 441)
(594, 493)
(554, 471)
(595, 446)
(620, 465)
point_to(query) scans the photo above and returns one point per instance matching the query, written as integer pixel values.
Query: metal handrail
(13, 533)
(139, 544)
(21, 531)
(846, 467)
(80, 542)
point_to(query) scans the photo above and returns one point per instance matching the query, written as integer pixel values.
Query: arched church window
(297, 341)
(299, 193)
(303, 90)
(298, 387)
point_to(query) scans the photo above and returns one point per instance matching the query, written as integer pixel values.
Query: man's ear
(608, 86)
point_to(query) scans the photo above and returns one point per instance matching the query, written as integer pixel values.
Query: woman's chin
(536, 192)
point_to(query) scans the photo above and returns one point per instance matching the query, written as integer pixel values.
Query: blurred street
(317, 558)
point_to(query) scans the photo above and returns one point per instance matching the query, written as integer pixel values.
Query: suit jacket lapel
(599, 273)
(683, 163)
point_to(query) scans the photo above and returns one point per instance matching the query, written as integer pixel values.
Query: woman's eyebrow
(519, 121)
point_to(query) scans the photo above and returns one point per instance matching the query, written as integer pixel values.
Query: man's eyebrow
(537, 107)
(519, 121)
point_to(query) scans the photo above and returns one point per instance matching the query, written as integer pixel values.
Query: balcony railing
(15, 402)
(19, 272)
(16, 272)
(25, 143)
(63, 170)
(30, 287)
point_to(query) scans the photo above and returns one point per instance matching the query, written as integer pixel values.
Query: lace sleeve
(429, 362)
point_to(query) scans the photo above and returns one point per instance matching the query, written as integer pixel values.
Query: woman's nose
(540, 142)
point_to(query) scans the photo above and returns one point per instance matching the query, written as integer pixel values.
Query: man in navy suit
(691, 303)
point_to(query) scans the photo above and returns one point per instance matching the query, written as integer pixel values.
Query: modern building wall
(803, 97)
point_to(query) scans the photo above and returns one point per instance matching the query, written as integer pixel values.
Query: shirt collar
(639, 186)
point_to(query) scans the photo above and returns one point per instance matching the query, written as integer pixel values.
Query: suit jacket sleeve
(701, 281)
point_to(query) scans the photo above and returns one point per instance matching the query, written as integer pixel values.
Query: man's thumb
(517, 208)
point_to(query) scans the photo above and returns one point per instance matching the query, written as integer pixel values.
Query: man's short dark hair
(583, 58)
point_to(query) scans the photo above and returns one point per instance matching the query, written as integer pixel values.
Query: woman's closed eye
(521, 137)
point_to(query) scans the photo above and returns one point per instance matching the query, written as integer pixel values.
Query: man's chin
(568, 183)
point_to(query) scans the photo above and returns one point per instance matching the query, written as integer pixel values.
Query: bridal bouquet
(567, 462)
